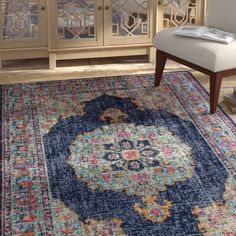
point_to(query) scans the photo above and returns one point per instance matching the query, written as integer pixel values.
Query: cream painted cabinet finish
(100, 28)
(23, 29)
(72, 29)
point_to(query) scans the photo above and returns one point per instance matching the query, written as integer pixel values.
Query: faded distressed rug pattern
(116, 156)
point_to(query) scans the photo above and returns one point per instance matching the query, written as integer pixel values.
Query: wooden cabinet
(70, 29)
(100, 28)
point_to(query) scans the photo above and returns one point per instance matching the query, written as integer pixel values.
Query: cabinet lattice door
(76, 19)
(130, 18)
(180, 12)
(21, 22)
(75, 23)
(100, 22)
(130, 21)
(20, 19)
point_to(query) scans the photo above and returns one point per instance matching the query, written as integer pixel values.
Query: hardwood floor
(24, 71)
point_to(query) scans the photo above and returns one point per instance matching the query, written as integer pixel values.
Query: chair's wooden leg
(215, 84)
(160, 65)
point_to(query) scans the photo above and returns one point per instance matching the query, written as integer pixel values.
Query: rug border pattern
(41, 165)
(220, 112)
(42, 168)
(1, 159)
(6, 180)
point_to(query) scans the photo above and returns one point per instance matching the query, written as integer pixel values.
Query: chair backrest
(221, 14)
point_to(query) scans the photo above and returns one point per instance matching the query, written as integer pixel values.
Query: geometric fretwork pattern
(20, 19)
(76, 19)
(179, 12)
(130, 17)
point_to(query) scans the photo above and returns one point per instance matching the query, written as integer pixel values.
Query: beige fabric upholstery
(221, 14)
(207, 54)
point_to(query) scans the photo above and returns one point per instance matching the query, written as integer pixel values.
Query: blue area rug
(116, 156)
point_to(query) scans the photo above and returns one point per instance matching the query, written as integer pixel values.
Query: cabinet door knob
(43, 8)
(99, 8)
(160, 2)
(106, 7)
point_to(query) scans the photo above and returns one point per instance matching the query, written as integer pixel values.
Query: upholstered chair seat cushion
(207, 54)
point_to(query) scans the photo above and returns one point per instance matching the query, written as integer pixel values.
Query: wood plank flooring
(24, 71)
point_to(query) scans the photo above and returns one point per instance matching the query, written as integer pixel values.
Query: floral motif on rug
(127, 157)
(116, 156)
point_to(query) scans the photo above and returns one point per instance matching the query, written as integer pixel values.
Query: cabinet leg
(52, 60)
(152, 55)
(0, 62)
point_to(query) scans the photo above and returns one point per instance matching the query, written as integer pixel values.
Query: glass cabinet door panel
(76, 19)
(20, 19)
(179, 12)
(130, 18)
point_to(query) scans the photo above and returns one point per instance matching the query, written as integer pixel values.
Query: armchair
(214, 59)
